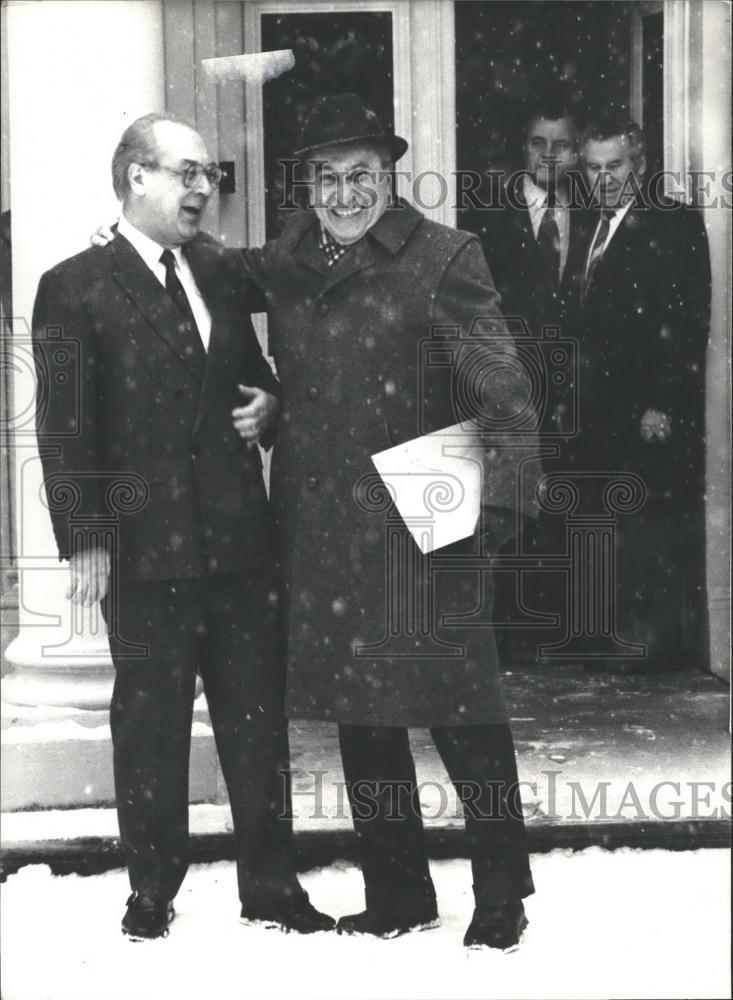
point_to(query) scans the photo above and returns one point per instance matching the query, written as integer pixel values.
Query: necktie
(175, 289)
(598, 246)
(548, 243)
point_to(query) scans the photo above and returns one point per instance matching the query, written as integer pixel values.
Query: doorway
(362, 51)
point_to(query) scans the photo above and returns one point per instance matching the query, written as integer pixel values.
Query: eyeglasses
(191, 174)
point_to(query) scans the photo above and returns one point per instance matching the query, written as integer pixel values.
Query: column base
(52, 666)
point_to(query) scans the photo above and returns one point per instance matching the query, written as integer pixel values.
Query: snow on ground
(626, 923)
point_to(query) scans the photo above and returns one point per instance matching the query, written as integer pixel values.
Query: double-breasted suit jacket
(144, 434)
(367, 640)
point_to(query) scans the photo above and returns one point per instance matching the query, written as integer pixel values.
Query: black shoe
(379, 923)
(499, 927)
(147, 917)
(296, 913)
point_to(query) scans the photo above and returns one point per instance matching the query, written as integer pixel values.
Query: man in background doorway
(643, 335)
(533, 239)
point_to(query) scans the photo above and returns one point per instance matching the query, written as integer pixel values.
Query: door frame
(254, 136)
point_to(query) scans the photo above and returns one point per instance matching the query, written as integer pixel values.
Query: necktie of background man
(548, 242)
(598, 247)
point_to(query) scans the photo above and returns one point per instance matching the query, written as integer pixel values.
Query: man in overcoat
(160, 507)
(641, 382)
(359, 290)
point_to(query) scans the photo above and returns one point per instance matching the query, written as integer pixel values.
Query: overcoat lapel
(307, 252)
(151, 299)
(392, 231)
(356, 258)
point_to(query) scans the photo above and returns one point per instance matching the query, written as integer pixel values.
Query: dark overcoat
(367, 640)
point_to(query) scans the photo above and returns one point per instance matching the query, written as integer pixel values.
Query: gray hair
(608, 127)
(137, 145)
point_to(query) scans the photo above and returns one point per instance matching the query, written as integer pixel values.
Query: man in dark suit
(533, 239)
(385, 326)
(645, 322)
(161, 510)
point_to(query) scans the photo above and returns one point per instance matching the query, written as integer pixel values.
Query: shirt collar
(614, 215)
(325, 239)
(333, 250)
(148, 249)
(536, 197)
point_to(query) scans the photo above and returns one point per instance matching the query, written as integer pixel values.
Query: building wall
(709, 99)
(77, 73)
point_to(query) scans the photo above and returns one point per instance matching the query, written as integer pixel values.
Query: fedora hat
(334, 121)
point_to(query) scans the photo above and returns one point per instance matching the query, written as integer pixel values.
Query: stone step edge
(318, 848)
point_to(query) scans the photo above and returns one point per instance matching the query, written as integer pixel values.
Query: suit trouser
(385, 804)
(223, 628)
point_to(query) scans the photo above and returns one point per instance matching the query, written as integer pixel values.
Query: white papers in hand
(435, 483)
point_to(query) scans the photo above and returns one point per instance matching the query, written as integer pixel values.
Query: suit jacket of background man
(370, 353)
(137, 424)
(645, 326)
(511, 250)
(516, 265)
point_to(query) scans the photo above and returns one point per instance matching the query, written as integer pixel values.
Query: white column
(79, 73)
(433, 153)
(697, 110)
(711, 107)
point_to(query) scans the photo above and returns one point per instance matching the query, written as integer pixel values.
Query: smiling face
(160, 205)
(550, 150)
(350, 189)
(613, 173)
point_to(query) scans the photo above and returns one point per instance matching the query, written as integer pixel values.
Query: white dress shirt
(150, 252)
(536, 198)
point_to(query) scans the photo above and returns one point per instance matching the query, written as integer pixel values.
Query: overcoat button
(323, 309)
(312, 482)
(313, 392)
